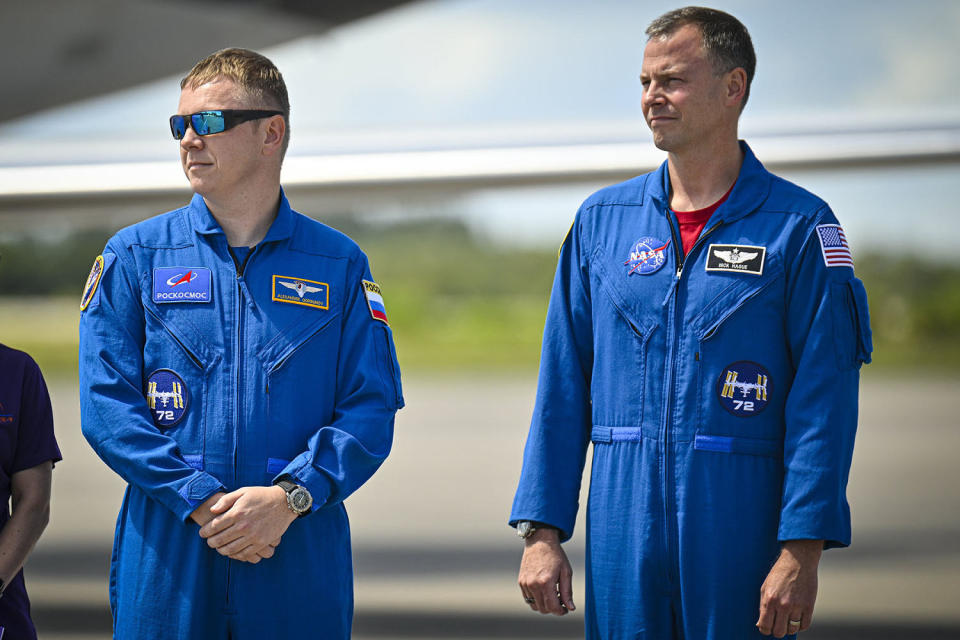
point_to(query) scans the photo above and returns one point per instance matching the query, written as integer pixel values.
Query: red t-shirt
(693, 222)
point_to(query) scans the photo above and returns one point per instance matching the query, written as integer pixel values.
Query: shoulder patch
(91, 290)
(833, 246)
(375, 301)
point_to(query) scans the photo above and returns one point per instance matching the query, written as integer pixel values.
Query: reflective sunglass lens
(207, 122)
(178, 127)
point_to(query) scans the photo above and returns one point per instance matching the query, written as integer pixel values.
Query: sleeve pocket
(853, 339)
(390, 370)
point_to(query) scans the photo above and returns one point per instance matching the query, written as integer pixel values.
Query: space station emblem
(167, 398)
(744, 388)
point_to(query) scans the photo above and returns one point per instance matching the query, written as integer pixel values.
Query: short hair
(254, 73)
(724, 38)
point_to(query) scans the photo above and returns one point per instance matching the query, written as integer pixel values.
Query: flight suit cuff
(195, 492)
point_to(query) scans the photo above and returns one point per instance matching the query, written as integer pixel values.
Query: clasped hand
(246, 524)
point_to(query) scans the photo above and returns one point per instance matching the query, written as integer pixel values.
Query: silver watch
(525, 528)
(298, 498)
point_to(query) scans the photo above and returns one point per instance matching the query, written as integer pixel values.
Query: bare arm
(30, 490)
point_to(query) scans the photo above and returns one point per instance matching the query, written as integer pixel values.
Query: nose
(190, 139)
(652, 94)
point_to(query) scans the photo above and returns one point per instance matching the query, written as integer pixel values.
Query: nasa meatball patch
(308, 293)
(647, 256)
(736, 258)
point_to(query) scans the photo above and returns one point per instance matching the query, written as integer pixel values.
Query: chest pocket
(743, 365)
(300, 366)
(622, 392)
(176, 348)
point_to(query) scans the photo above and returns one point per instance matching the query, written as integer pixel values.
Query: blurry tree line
(455, 299)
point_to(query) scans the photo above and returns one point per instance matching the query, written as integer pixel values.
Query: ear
(274, 130)
(736, 86)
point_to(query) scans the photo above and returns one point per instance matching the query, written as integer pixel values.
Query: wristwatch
(3, 587)
(298, 498)
(525, 528)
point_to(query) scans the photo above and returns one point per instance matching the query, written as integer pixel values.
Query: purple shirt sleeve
(35, 440)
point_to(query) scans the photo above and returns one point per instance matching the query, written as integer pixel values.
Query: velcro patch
(833, 246)
(181, 284)
(738, 258)
(167, 397)
(308, 293)
(93, 281)
(744, 388)
(375, 301)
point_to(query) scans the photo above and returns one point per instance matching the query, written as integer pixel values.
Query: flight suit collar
(749, 192)
(204, 223)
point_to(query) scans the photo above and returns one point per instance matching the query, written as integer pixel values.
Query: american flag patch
(375, 301)
(833, 245)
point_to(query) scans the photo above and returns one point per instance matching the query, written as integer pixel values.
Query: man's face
(219, 163)
(684, 101)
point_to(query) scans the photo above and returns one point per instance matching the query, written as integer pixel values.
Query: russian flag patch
(375, 301)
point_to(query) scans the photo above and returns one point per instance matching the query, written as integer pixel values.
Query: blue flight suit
(199, 374)
(719, 390)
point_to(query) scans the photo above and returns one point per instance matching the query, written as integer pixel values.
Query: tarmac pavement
(435, 559)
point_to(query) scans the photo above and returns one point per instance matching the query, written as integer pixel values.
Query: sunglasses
(205, 123)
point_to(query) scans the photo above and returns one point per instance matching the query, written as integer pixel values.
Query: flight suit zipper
(238, 379)
(675, 328)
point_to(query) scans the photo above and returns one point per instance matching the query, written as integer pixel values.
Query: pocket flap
(741, 289)
(865, 334)
(732, 444)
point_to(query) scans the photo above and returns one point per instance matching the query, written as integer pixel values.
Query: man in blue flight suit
(705, 333)
(237, 370)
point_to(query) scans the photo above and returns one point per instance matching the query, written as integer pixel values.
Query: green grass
(46, 328)
(458, 304)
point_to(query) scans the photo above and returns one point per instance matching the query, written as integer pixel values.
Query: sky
(461, 73)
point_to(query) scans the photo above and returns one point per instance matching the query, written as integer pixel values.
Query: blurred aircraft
(93, 47)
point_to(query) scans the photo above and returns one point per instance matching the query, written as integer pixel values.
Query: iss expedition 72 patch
(744, 388)
(167, 397)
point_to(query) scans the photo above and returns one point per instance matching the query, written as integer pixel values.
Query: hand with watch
(248, 523)
(546, 577)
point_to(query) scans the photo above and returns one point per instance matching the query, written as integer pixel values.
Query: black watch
(3, 587)
(298, 498)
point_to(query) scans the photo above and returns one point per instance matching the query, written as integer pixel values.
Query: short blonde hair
(254, 73)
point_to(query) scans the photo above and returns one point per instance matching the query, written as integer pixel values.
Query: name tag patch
(738, 258)
(308, 293)
(181, 284)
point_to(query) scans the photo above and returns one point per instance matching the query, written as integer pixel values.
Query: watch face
(300, 500)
